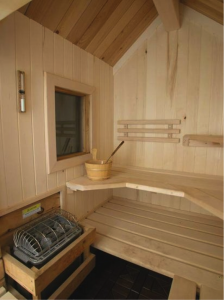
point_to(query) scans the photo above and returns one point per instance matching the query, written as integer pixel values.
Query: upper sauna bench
(205, 191)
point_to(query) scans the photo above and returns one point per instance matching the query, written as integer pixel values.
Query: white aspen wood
(198, 190)
(9, 112)
(25, 120)
(138, 240)
(48, 66)
(45, 52)
(182, 288)
(210, 293)
(37, 91)
(8, 7)
(169, 12)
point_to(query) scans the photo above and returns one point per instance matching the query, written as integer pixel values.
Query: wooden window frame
(51, 84)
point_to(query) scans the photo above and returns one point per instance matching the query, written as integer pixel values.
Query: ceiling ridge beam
(169, 12)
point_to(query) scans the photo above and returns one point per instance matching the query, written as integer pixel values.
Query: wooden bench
(205, 191)
(168, 242)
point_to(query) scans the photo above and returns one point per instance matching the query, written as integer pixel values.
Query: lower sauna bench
(173, 243)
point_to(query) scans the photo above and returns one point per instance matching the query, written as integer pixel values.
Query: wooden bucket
(98, 170)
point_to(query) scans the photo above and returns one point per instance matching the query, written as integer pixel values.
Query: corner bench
(167, 241)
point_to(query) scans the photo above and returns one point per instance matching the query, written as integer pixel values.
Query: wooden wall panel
(25, 120)
(37, 91)
(183, 71)
(9, 116)
(28, 46)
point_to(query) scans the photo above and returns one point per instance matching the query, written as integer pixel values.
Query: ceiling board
(37, 9)
(56, 12)
(119, 26)
(210, 8)
(98, 23)
(108, 25)
(72, 16)
(131, 33)
(84, 22)
(105, 28)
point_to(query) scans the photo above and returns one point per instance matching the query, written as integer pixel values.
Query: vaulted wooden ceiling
(105, 28)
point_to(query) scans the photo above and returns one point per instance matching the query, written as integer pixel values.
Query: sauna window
(68, 122)
(71, 121)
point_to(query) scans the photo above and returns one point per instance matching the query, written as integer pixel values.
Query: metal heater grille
(41, 238)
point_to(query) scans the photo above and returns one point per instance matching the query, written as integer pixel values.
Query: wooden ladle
(114, 151)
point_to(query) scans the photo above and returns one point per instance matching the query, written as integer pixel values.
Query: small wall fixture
(21, 91)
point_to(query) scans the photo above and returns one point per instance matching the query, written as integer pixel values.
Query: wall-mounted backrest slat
(147, 130)
(168, 131)
(148, 122)
(148, 139)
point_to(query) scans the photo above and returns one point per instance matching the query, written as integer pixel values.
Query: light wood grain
(75, 279)
(8, 7)
(35, 280)
(25, 120)
(212, 9)
(125, 236)
(191, 140)
(149, 139)
(169, 13)
(9, 116)
(36, 49)
(180, 84)
(23, 177)
(182, 288)
(192, 189)
(210, 293)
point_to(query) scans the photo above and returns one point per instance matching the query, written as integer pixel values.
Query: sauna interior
(146, 72)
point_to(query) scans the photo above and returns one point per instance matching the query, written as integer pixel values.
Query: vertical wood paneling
(22, 25)
(9, 111)
(151, 93)
(192, 92)
(214, 158)
(59, 69)
(204, 98)
(161, 78)
(34, 49)
(181, 88)
(3, 192)
(184, 71)
(37, 92)
(48, 66)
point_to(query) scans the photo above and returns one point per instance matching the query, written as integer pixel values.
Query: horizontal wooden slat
(155, 262)
(150, 239)
(165, 219)
(164, 211)
(185, 232)
(148, 139)
(149, 122)
(182, 288)
(147, 130)
(194, 140)
(156, 234)
(167, 250)
(207, 293)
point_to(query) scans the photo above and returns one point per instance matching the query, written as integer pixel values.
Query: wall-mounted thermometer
(21, 91)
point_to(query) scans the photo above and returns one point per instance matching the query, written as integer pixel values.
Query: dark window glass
(68, 124)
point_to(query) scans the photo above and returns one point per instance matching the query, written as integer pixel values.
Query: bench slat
(182, 289)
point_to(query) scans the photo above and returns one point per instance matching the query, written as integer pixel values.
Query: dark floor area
(114, 278)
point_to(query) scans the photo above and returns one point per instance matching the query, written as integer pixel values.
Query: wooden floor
(168, 242)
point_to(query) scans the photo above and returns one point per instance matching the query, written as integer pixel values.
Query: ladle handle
(115, 151)
(94, 152)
